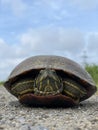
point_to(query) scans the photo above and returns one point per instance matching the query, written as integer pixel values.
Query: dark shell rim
(49, 101)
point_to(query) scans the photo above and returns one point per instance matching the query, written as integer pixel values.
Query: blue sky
(58, 27)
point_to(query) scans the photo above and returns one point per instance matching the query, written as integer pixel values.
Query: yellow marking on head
(48, 87)
(47, 82)
(56, 86)
(40, 85)
(39, 79)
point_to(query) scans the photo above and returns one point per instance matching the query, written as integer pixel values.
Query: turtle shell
(62, 65)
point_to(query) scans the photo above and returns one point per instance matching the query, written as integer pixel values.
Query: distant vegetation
(93, 71)
(1, 83)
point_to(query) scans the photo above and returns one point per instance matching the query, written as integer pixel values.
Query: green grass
(93, 71)
(1, 83)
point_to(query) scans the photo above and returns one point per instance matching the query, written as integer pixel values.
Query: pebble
(26, 127)
(13, 115)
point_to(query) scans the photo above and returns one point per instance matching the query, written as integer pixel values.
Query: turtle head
(48, 83)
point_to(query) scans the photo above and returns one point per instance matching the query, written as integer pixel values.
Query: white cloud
(92, 42)
(40, 41)
(3, 48)
(58, 41)
(51, 40)
(93, 46)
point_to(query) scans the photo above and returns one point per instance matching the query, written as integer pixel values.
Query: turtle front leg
(73, 90)
(22, 87)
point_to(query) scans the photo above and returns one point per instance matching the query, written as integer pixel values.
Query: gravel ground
(14, 116)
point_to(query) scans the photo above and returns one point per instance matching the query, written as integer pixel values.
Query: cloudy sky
(59, 27)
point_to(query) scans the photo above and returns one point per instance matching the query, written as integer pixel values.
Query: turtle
(50, 80)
